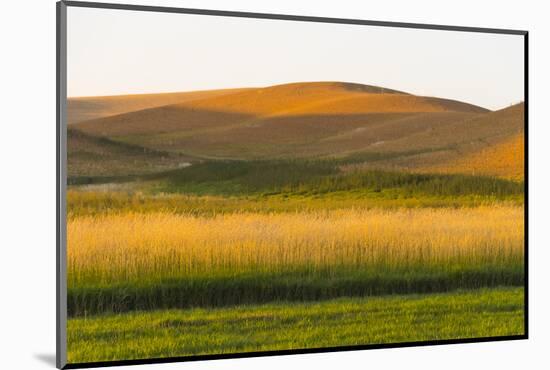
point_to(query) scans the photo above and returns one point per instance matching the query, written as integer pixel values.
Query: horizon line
(395, 91)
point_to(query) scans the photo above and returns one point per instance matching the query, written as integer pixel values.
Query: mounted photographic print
(238, 184)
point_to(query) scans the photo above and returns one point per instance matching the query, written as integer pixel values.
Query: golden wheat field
(133, 246)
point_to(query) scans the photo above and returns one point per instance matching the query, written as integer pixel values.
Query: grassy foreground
(340, 322)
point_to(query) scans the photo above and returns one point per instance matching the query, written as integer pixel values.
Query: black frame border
(61, 96)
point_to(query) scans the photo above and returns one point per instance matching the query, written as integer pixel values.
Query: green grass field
(276, 326)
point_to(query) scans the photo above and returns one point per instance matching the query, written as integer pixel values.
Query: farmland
(294, 216)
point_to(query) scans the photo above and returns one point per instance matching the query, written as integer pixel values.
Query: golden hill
(281, 120)
(327, 98)
(378, 127)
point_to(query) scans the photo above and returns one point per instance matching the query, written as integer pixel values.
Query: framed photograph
(239, 184)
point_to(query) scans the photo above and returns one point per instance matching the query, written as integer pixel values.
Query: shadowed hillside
(450, 147)
(90, 156)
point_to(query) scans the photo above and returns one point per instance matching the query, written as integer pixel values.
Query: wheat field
(137, 247)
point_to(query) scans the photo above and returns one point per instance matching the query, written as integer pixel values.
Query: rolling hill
(449, 148)
(373, 126)
(306, 119)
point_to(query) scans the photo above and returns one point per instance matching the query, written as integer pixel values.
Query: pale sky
(112, 52)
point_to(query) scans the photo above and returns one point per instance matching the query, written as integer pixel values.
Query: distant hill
(86, 108)
(369, 125)
(286, 120)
